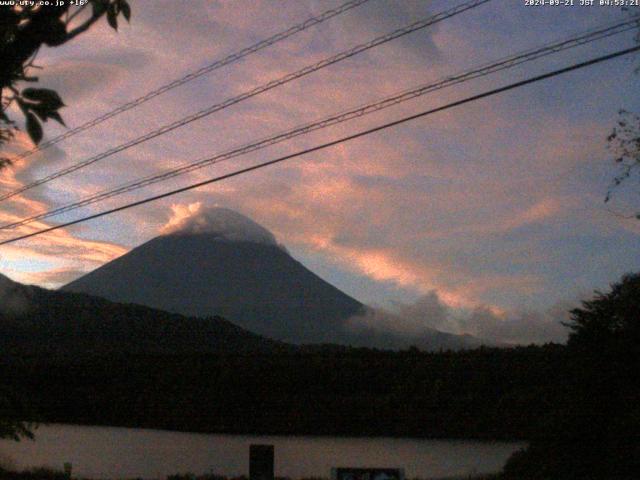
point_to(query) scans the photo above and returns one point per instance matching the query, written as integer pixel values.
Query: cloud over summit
(222, 223)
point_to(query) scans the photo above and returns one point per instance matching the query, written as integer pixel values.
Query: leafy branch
(624, 143)
(23, 30)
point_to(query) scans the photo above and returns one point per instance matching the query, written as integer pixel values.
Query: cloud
(523, 327)
(430, 313)
(53, 277)
(52, 258)
(78, 80)
(488, 204)
(220, 223)
(414, 320)
(180, 214)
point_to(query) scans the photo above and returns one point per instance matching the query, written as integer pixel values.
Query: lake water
(106, 452)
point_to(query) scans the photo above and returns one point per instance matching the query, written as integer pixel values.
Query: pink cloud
(417, 206)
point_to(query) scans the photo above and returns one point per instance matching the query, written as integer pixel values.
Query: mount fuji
(220, 262)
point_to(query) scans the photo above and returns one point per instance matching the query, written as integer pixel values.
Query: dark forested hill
(36, 321)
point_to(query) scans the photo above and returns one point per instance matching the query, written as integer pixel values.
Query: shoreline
(342, 436)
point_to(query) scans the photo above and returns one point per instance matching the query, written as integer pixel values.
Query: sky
(486, 219)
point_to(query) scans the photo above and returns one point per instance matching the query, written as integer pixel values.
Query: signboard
(261, 462)
(344, 473)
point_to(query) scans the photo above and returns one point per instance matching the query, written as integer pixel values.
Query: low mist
(430, 313)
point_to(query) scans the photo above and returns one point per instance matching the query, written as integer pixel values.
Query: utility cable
(333, 143)
(232, 58)
(252, 93)
(499, 65)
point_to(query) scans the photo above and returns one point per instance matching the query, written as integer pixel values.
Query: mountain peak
(216, 261)
(225, 225)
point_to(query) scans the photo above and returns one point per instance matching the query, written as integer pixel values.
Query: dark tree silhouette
(624, 141)
(624, 144)
(594, 432)
(12, 409)
(23, 30)
(610, 320)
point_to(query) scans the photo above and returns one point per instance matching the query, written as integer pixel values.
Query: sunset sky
(493, 211)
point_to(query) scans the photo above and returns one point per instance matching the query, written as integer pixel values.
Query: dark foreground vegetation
(578, 405)
(46, 474)
(47, 323)
(35, 474)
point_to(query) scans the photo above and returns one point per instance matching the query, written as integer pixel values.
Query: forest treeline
(483, 393)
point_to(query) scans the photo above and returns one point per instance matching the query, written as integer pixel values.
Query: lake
(108, 452)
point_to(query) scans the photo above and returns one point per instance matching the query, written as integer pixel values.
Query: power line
(232, 58)
(333, 142)
(499, 65)
(420, 24)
